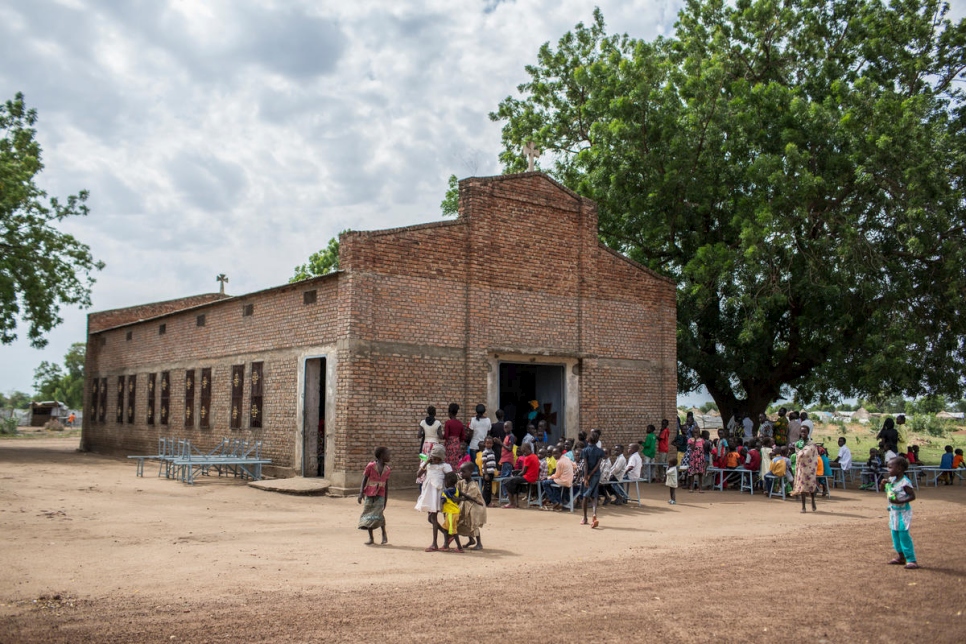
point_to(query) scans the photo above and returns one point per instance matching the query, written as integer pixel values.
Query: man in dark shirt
(498, 434)
(592, 456)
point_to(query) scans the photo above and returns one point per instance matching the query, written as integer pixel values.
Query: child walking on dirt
(451, 511)
(472, 509)
(900, 492)
(430, 496)
(375, 491)
(671, 479)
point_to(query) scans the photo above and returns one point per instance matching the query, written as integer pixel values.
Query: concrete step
(296, 485)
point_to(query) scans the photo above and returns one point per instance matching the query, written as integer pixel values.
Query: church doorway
(523, 383)
(313, 425)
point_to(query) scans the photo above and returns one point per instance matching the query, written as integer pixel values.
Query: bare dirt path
(93, 554)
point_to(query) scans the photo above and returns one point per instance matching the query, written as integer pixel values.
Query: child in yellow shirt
(451, 511)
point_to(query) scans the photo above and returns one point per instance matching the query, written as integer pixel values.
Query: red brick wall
(417, 313)
(280, 326)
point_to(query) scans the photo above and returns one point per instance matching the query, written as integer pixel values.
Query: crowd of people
(466, 469)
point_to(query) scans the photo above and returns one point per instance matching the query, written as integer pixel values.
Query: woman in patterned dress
(806, 468)
(453, 437)
(697, 463)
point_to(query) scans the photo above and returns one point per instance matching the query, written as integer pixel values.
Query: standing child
(506, 455)
(375, 489)
(663, 442)
(671, 479)
(430, 496)
(488, 457)
(900, 492)
(450, 499)
(472, 515)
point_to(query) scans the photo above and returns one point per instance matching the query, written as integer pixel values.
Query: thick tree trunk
(759, 396)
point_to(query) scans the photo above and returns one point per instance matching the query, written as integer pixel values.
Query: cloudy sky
(239, 136)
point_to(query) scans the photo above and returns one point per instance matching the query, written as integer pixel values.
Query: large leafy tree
(63, 384)
(797, 166)
(41, 268)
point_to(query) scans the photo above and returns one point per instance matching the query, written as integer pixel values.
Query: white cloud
(211, 132)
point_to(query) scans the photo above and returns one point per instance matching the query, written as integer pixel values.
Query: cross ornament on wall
(531, 152)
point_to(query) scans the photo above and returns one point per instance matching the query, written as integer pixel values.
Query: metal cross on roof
(531, 152)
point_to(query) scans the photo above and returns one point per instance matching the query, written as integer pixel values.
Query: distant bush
(929, 424)
(8, 425)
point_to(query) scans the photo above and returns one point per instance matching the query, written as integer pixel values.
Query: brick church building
(514, 300)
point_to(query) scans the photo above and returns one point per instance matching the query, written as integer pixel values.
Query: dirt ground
(91, 553)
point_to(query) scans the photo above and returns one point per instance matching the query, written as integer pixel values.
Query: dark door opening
(313, 425)
(520, 385)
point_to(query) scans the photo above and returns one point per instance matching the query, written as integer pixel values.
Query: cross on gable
(531, 152)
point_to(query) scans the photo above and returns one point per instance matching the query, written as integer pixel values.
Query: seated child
(946, 463)
(451, 511)
(789, 464)
(872, 475)
(958, 459)
(912, 455)
(616, 473)
(606, 467)
(562, 477)
(776, 471)
(578, 467)
(544, 465)
(753, 459)
(732, 461)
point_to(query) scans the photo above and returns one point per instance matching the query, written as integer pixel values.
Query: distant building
(42, 413)
(513, 301)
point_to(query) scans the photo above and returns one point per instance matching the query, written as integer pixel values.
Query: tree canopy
(15, 400)
(798, 167)
(320, 262)
(41, 268)
(66, 384)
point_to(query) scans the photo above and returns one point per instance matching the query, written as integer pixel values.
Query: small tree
(321, 262)
(450, 205)
(65, 385)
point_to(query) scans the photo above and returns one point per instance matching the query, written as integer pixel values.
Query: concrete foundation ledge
(297, 485)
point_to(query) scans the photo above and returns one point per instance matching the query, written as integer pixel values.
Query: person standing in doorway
(479, 426)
